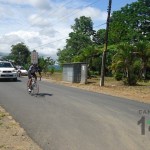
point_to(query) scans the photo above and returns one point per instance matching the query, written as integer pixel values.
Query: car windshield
(5, 65)
(22, 68)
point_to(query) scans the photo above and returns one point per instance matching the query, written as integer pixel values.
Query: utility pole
(105, 46)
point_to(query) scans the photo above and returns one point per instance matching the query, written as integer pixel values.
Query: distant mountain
(3, 54)
(57, 67)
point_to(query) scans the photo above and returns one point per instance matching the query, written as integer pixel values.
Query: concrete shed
(75, 72)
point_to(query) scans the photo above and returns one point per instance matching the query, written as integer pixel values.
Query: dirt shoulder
(13, 137)
(140, 93)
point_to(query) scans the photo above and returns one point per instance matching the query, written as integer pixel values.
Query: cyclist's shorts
(31, 74)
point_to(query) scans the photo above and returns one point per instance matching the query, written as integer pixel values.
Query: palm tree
(143, 51)
(123, 63)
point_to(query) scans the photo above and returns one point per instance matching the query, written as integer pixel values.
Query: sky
(44, 25)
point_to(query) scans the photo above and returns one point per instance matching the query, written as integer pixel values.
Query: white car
(7, 71)
(22, 71)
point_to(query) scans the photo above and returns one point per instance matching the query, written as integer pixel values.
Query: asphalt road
(65, 118)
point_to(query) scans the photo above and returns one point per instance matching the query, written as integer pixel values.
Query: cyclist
(32, 72)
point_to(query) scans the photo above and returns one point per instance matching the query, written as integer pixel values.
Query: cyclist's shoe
(29, 90)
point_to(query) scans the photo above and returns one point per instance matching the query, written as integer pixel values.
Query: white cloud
(48, 31)
(4, 12)
(94, 13)
(24, 34)
(45, 45)
(41, 4)
(7, 40)
(36, 20)
(41, 24)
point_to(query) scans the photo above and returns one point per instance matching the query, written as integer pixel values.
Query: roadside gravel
(12, 136)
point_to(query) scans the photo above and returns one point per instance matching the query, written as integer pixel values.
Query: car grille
(6, 71)
(6, 75)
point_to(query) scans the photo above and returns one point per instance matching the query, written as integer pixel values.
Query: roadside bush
(52, 70)
(118, 76)
(132, 80)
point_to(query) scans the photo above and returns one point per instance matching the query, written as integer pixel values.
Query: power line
(60, 39)
(49, 43)
(73, 12)
(76, 11)
(99, 25)
(36, 17)
(68, 16)
(65, 4)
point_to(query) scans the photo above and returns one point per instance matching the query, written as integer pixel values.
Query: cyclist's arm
(37, 69)
(40, 74)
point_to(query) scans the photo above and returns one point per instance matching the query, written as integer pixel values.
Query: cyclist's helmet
(34, 64)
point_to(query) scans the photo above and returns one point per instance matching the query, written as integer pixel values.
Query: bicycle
(34, 87)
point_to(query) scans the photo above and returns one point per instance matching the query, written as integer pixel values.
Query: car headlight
(0, 70)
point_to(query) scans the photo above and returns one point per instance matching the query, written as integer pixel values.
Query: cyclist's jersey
(33, 69)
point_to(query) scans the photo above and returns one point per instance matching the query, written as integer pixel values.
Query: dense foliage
(19, 54)
(131, 23)
(45, 64)
(128, 54)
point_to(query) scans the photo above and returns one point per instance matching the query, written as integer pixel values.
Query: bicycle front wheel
(35, 88)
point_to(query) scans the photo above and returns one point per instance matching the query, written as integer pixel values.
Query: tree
(99, 37)
(143, 51)
(78, 40)
(64, 56)
(124, 64)
(20, 53)
(45, 63)
(131, 23)
(83, 25)
(90, 55)
(127, 27)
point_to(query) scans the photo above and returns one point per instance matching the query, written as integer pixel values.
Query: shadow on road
(43, 94)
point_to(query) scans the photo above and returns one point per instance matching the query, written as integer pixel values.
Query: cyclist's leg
(35, 76)
(29, 80)
(40, 75)
(35, 87)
